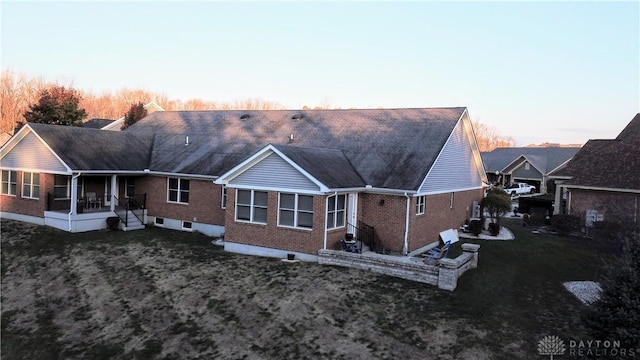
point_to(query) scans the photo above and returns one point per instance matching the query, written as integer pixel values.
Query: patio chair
(350, 246)
(93, 201)
(439, 253)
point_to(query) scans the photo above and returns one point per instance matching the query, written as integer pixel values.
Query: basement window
(186, 225)
(158, 221)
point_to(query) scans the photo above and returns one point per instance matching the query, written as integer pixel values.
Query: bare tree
(489, 138)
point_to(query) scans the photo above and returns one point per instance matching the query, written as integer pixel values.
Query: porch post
(557, 198)
(114, 191)
(74, 194)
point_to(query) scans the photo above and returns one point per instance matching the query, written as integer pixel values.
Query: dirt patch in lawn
(159, 294)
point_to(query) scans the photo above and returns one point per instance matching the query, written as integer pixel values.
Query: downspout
(74, 177)
(405, 247)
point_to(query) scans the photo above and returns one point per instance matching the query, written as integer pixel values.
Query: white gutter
(405, 247)
(74, 177)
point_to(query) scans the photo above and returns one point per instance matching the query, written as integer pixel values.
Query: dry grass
(159, 294)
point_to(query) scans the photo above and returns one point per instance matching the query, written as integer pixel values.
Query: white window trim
(179, 196)
(295, 210)
(252, 207)
(156, 223)
(420, 204)
(336, 211)
(9, 182)
(223, 200)
(31, 186)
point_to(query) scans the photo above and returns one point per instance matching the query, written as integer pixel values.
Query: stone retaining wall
(445, 274)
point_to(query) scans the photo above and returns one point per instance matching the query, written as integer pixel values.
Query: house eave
(602, 188)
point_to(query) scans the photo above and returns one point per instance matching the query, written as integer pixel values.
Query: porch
(96, 212)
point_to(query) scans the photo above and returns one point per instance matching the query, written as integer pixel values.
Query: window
(451, 201)
(251, 206)
(295, 210)
(178, 191)
(9, 182)
(61, 187)
(224, 198)
(420, 205)
(336, 211)
(159, 221)
(31, 185)
(186, 225)
(130, 186)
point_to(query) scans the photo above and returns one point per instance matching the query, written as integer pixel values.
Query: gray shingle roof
(609, 163)
(387, 148)
(92, 149)
(97, 123)
(544, 159)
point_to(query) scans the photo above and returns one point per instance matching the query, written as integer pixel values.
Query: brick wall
(386, 213)
(619, 207)
(273, 236)
(439, 216)
(33, 207)
(204, 200)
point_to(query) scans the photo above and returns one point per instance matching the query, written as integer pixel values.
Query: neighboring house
(97, 123)
(273, 182)
(530, 165)
(602, 181)
(116, 125)
(4, 137)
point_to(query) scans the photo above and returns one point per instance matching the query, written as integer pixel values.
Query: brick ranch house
(602, 181)
(273, 182)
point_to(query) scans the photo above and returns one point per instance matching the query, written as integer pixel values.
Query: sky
(541, 71)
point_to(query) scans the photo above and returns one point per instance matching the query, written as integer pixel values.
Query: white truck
(519, 189)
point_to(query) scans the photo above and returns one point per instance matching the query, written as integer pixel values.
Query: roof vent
(297, 116)
(245, 116)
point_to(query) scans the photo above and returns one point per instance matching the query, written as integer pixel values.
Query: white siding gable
(30, 153)
(456, 168)
(275, 173)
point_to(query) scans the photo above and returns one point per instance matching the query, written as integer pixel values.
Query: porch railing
(368, 236)
(93, 203)
(135, 205)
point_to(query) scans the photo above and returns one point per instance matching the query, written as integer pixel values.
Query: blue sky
(538, 71)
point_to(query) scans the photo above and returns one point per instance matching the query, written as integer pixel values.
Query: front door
(352, 214)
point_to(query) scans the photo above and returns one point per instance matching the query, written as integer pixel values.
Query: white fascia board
(278, 189)
(600, 188)
(114, 172)
(261, 155)
(22, 133)
(372, 190)
(179, 175)
(448, 191)
(520, 157)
